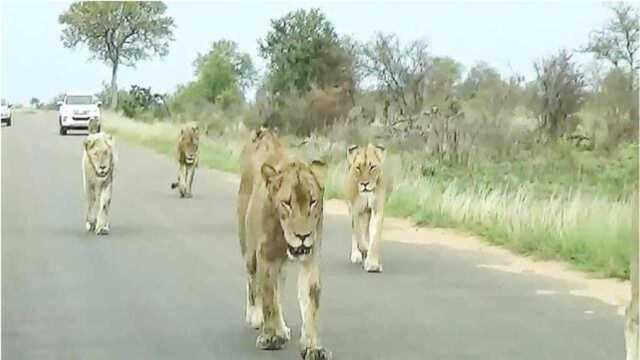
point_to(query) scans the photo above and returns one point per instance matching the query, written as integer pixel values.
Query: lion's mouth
(102, 173)
(299, 250)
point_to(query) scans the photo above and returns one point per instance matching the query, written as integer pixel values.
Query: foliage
(400, 71)
(140, 99)
(619, 40)
(302, 48)
(222, 76)
(560, 92)
(118, 33)
(35, 102)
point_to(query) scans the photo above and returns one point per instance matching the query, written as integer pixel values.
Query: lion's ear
(319, 170)
(256, 134)
(351, 153)
(381, 152)
(270, 176)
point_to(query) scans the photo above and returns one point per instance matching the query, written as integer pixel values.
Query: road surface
(168, 282)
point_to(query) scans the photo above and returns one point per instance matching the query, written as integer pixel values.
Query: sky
(509, 35)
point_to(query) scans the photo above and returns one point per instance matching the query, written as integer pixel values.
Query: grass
(537, 208)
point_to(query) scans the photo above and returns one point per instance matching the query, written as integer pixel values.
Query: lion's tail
(174, 185)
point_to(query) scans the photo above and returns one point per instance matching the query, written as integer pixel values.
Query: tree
(222, 76)
(35, 102)
(400, 71)
(560, 92)
(302, 48)
(224, 67)
(118, 33)
(619, 40)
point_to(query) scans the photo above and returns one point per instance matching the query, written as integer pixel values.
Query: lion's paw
(286, 331)
(356, 257)
(315, 354)
(270, 341)
(103, 230)
(90, 226)
(372, 266)
(188, 195)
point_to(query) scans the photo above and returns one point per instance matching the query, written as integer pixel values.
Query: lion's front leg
(356, 236)
(104, 205)
(90, 223)
(253, 315)
(309, 300)
(373, 262)
(274, 334)
(191, 171)
(182, 180)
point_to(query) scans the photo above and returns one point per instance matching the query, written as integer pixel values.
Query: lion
(280, 212)
(366, 190)
(632, 339)
(187, 154)
(98, 166)
(94, 126)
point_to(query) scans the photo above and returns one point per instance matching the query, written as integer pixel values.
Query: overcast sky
(507, 35)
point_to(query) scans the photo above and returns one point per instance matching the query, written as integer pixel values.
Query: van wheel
(63, 131)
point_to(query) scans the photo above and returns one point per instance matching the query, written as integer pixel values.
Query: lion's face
(296, 193)
(99, 148)
(365, 166)
(189, 141)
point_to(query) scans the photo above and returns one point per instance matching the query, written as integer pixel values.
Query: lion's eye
(372, 167)
(286, 204)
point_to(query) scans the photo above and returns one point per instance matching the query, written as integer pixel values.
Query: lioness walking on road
(187, 154)
(280, 212)
(98, 164)
(366, 190)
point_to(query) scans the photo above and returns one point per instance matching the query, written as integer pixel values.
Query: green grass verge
(591, 232)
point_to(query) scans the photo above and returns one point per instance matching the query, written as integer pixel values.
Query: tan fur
(633, 318)
(280, 217)
(98, 166)
(366, 190)
(187, 154)
(94, 126)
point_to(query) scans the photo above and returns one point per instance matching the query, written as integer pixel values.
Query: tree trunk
(114, 86)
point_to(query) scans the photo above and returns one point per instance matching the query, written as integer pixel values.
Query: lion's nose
(103, 167)
(303, 237)
(364, 184)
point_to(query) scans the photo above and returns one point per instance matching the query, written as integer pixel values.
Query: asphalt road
(168, 282)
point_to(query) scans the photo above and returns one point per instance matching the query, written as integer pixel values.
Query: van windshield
(80, 100)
